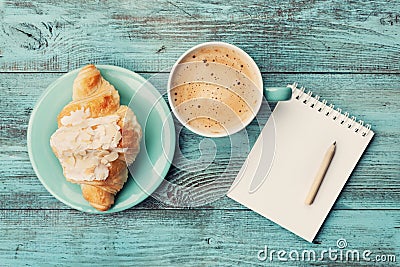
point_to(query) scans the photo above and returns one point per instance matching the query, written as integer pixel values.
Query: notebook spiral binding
(329, 110)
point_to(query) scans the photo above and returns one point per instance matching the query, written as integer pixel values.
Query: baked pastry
(96, 138)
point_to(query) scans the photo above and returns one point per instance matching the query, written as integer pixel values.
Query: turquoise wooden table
(347, 51)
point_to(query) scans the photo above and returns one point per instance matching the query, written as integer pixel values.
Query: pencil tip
(334, 143)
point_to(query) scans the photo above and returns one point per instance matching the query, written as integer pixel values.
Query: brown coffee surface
(212, 118)
(197, 90)
(207, 125)
(221, 55)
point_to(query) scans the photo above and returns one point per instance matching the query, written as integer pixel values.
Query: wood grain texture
(181, 238)
(346, 51)
(282, 36)
(375, 98)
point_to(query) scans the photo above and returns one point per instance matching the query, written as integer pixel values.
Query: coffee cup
(215, 89)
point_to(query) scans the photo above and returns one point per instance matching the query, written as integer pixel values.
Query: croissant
(96, 139)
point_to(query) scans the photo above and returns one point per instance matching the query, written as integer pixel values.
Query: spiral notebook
(279, 171)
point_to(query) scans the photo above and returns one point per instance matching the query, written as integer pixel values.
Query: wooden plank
(184, 238)
(282, 36)
(374, 183)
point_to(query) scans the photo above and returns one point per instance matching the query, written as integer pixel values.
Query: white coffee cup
(215, 89)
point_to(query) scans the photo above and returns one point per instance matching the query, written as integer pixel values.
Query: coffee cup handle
(278, 93)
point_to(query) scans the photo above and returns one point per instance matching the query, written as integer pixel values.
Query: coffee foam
(212, 92)
(204, 90)
(222, 55)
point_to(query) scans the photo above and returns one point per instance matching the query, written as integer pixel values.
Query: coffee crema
(214, 90)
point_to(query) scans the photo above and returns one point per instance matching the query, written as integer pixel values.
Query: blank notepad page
(296, 137)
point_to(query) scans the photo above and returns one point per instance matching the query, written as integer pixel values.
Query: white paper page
(302, 137)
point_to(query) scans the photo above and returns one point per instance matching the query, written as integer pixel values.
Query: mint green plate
(157, 147)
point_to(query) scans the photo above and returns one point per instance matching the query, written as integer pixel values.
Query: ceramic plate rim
(169, 153)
